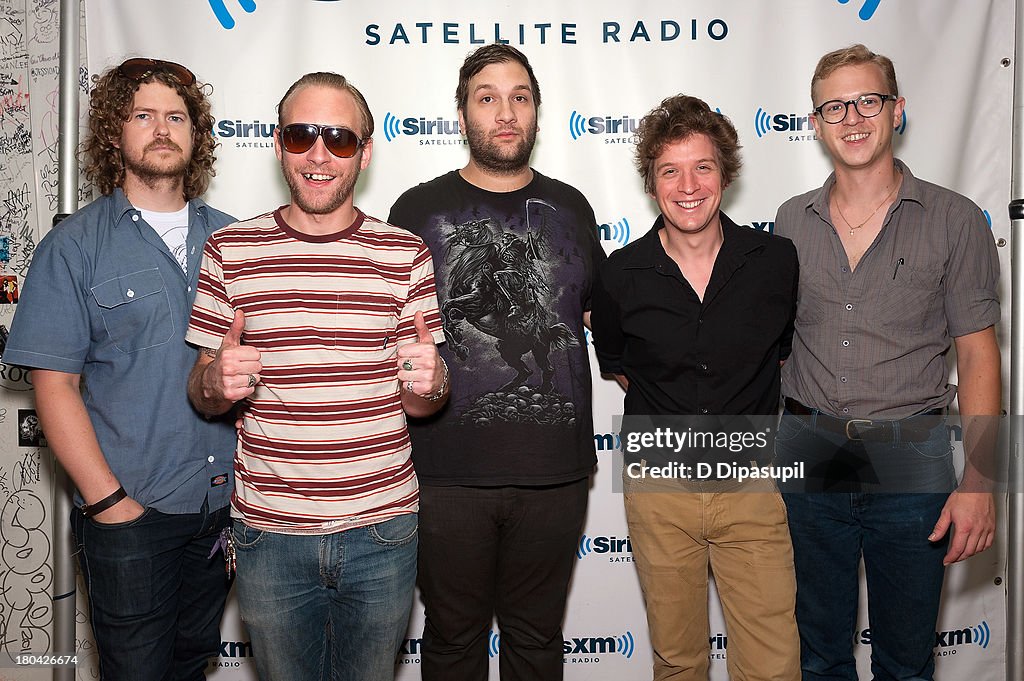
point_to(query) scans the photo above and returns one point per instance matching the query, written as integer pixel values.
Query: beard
(152, 170)
(496, 158)
(319, 204)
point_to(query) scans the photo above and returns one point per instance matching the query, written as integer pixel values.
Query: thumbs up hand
(235, 369)
(420, 368)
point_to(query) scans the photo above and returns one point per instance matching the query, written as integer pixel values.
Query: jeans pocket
(245, 537)
(398, 531)
(790, 427)
(146, 513)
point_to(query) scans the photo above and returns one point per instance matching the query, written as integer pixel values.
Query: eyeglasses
(868, 106)
(140, 68)
(298, 138)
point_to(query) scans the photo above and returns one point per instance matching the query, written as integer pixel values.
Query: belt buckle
(852, 421)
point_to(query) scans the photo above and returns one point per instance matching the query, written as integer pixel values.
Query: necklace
(851, 225)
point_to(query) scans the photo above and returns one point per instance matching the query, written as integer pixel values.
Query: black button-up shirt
(686, 356)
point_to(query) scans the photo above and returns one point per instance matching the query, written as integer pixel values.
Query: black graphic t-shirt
(513, 274)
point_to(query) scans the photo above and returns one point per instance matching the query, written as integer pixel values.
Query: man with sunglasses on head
(891, 268)
(319, 323)
(506, 468)
(101, 322)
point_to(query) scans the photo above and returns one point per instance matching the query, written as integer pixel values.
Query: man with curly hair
(694, 320)
(101, 324)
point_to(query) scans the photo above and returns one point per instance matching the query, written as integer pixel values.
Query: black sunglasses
(298, 138)
(140, 68)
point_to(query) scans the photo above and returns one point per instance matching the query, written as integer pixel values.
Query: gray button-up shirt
(872, 343)
(105, 298)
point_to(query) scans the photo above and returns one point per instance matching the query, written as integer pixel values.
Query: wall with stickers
(602, 64)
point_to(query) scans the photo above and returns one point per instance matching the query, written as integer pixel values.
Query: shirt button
(703, 367)
(842, 379)
(846, 410)
(210, 459)
(190, 289)
(703, 410)
(849, 306)
(845, 269)
(846, 343)
(135, 218)
(130, 293)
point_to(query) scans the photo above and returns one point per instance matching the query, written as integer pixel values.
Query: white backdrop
(601, 64)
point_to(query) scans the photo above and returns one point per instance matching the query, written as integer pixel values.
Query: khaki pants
(741, 532)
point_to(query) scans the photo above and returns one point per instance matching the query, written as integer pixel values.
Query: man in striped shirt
(319, 325)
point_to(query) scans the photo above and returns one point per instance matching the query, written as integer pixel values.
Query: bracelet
(443, 390)
(89, 510)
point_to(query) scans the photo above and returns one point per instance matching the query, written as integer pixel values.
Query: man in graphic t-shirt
(504, 469)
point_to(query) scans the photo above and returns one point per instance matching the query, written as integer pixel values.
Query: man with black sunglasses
(891, 268)
(101, 323)
(505, 470)
(319, 324)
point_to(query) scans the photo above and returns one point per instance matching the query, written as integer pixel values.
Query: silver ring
(408, 386)
(252, 381)
(407, 365)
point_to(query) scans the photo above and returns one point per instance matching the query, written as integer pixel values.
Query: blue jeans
(155, 595)
(831, 532)
(328, 607)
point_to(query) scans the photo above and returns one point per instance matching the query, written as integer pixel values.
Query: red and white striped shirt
(324, 445)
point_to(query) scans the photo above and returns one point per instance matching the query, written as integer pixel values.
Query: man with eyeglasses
(101, 323)
(506, 468)
(318, 324)
(891, 268)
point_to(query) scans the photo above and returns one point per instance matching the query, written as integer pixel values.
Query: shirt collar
(910, 190)
(649, 253)
(123, 207)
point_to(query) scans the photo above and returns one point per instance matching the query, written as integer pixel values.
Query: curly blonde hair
(110, 104)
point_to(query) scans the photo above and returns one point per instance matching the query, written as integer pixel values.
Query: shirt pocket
(135, 309)
(909, 299)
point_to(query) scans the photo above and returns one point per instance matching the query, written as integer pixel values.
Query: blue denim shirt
(105, 298)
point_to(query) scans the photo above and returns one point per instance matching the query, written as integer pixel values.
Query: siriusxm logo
(602, 546)
(236, 649)
(410, 651)
(595, 645)
(580, 125)
(600, 645)
(617, 232)
(764, 226)
(411, 126)
(220, 11)
(867, 10)
(765, 123)
(607, 442)
(946, 641)
(237, 128)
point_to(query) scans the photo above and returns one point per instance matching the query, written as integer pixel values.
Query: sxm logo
(432, 131)
(607, 442)
(231, 652)
(410, 651)
(613, 129)
(947, 642)
(765, 123)
(581, 650)
(867, 10)
(614, 231)
(617, 550)
(763, 226)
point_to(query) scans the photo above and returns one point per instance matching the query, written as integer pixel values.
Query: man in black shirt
(505, 468)
(694, 320)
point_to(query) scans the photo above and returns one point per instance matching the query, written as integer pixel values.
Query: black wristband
(89, 510)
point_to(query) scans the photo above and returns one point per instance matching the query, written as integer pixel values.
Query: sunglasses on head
(140, 68)
(298, 138)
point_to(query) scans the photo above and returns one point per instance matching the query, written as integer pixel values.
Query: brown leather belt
(910, 429)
